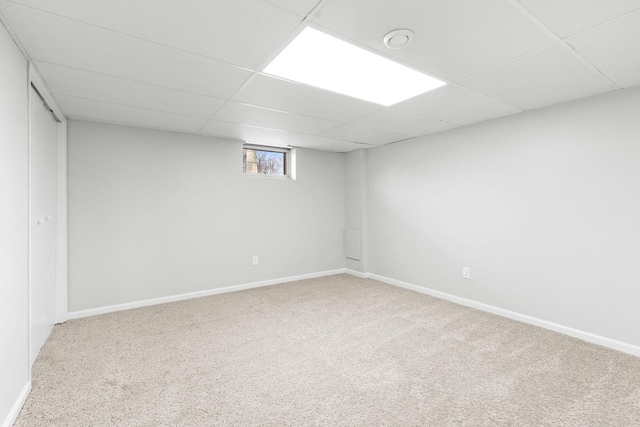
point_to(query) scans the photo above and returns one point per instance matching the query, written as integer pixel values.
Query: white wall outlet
(255, 260)
(466, 273)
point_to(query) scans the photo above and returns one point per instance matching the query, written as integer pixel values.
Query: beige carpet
(331, 351)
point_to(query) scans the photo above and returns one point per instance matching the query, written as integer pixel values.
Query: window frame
(289, 160)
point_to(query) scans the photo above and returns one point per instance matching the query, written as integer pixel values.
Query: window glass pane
(264, 162)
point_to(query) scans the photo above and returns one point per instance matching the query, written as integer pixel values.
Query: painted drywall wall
(154, 214)
(14, 369)
(61, 226)
(356, 204)
(543, 207)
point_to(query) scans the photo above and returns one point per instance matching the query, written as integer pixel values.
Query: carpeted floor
(330, 351)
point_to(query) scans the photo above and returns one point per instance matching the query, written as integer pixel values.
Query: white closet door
(42, 210)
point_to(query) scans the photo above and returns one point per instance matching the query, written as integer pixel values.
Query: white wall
(14, 369)
(155, 214)
(544, 207)
(61, 226)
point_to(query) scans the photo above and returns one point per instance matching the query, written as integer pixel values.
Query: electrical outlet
(466, 273)
(255, 260)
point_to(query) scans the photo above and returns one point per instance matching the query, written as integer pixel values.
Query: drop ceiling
(196, 66)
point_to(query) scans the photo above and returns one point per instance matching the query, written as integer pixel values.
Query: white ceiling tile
(270, 92)
(235, 112)
(149, 62)
(299, 7)
(456, 104)
(241, 32)
(402, 122)
(66, 42)
(453, 38)
(85, 84)
(364, 135)
(250, 133)
(614, 49)
(86, 109)
(548, 76)
(328, 144)
(566, 17)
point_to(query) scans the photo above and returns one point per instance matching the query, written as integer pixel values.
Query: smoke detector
(397, 39)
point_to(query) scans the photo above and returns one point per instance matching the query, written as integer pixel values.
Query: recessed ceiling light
(398, 39)
(318, 59)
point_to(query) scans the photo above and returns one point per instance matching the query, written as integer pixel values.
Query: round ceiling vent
(398, 39)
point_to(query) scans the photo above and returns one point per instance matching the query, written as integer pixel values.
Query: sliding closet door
(42, 226)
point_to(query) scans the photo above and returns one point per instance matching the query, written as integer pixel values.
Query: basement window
(261, 160)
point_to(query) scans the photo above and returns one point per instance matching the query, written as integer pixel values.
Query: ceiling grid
(197, 66)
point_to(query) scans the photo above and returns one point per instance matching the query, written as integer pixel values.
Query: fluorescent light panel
(318, 59)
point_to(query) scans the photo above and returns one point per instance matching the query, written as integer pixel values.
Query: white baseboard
(181, 297)
(356, 273)
(576, 333)
(17, 406)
